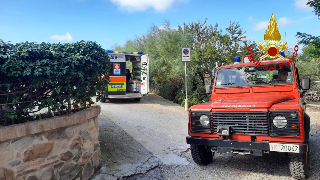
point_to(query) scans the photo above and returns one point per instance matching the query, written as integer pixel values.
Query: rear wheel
(201, 155)
(103, 100)
(137, 99)
(299, 165)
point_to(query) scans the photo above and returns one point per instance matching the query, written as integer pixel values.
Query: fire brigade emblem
(272, 37)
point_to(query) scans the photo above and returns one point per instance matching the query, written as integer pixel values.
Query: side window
(219, 81)
(222, 79)
(290, 77)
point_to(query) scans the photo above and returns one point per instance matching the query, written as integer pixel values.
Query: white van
(127, 83)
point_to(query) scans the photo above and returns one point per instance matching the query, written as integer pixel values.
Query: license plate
(284, 147)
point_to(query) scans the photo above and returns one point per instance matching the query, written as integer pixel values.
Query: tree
(309, 52)
(308, 63)
(4, 43)
(305, 38)
(209, 45)
(309, 69)
(316, 5)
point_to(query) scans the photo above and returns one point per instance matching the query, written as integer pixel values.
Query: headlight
(280, 121)
(204, 120)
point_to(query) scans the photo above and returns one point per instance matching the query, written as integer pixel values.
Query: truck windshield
(270, 74)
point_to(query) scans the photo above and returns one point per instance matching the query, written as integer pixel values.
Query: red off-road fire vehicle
(253, 110)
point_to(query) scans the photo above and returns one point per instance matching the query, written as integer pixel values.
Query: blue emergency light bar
(237, 59)
(109, 51)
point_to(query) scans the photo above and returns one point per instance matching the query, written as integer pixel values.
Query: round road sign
(186, 51)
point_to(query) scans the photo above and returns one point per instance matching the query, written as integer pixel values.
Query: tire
(299, 165)
(103, 100)
(137, 99)
(201, 155)
(306, 126)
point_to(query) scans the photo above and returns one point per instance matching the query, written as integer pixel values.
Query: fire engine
(254, 110)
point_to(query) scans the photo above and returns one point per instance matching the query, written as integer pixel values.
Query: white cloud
(302, 4)
(250, 19)
(284, 21)
(165, 27)
(262, 25)
(142, 5)
(66, 37)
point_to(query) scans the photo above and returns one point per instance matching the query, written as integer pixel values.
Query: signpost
(207, 81)
(185, 56)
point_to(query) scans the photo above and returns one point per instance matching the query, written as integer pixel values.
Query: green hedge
(171, 88)
(53, 76)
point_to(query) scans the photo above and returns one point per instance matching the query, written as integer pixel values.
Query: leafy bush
(170, 87)
(180, 98)
(53, 76)
(309, 69)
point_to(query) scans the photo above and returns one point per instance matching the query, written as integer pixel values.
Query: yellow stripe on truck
(116, 86)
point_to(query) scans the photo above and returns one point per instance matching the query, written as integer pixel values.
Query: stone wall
(64, 147)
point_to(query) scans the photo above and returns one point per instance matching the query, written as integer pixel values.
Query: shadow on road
(150, 99)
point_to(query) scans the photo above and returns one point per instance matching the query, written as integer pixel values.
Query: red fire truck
(253, 110)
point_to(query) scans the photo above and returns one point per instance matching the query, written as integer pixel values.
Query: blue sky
(111, 22)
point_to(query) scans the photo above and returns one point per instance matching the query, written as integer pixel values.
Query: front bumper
(230, 145)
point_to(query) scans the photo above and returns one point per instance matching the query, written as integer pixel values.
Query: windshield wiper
(232, 84)
(271, 83)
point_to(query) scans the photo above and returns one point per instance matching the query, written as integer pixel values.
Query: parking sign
(185, 54)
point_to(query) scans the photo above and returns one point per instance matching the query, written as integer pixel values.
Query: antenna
(285, 36)
(239, 50)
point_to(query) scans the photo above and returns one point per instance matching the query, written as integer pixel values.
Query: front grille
(249, 123)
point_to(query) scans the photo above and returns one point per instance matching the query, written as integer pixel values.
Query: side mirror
(305, 83)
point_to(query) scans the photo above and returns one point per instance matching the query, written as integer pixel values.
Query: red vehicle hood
(202, 106)
(253, 101)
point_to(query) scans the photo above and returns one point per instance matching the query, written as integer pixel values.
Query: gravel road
(146, 140)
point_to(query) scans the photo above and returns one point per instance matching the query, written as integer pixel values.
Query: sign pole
(185, 56)
(186, 101)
